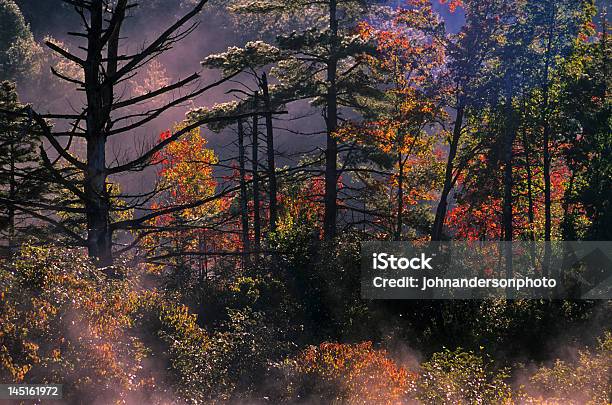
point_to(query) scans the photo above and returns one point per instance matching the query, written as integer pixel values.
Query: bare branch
(65, 53)
(159, 43)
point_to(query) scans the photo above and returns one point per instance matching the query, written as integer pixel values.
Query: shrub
(584, 381)
(459, 377)
(63, 321)
(349, 373)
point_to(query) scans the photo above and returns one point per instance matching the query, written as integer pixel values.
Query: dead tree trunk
(99, 100)
(105, 115)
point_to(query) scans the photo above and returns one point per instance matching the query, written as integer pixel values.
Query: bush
(459, 377)
(63, 321)
(348, 373)
(584, 381)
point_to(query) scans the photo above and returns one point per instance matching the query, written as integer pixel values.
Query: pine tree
(321, 61)
(17, 45)
(20, 170)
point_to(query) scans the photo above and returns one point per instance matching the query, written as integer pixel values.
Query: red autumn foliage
(363, 374)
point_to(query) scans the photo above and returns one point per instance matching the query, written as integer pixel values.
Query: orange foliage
(452, 4)
(305, 202)
(63, 321)
(362, 374)
(187, 168)
(408, 61)
(186, 177)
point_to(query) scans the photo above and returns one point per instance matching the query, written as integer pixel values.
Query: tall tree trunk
(438, 226)
(547, 201)
(400, 199)
(546, 143)
(331, 151)
(530, 208)
(547, 185)
(509, 135)
(255, 163)
(12, 197)
(508, 166)
(568, 220)
(244, 210)
(270, 152)
(97, 204)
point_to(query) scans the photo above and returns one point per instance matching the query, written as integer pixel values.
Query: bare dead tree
(107, 114)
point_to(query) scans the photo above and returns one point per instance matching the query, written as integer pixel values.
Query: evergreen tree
(17, 46)
(20, 171)
(321, 63)
(587, 119)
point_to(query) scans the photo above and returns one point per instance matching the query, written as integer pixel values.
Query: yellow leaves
(17, 372)
(43, 311)
(79, 327)
(56, 354)
(72, 318)
(188, 159)
(18, 367)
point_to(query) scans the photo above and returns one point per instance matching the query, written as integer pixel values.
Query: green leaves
(17, 46)
(461, 377)
(254, 55)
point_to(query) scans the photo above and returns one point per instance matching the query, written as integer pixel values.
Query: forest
(185, 186)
